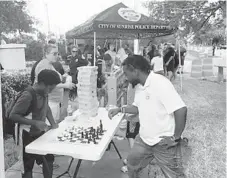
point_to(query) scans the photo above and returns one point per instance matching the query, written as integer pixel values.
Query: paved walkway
(108, 167)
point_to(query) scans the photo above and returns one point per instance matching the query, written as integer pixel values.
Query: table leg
(77, 168)
(116, 149)
(67, 171)
(46, 168)
(108, 148)
(220, 74)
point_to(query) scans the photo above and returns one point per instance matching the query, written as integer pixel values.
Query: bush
(12, 83)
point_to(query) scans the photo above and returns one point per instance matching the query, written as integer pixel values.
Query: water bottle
(68, 79)
(70, 110)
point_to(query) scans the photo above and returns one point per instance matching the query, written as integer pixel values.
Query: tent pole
(74, 42)
(2, 162)
(136, 45)
(181, 85)
(94, 47)
(105, 43)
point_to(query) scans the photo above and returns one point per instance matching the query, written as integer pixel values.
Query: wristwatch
(173, 138)
(123, 109)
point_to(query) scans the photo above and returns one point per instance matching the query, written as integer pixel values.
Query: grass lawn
(205, 155)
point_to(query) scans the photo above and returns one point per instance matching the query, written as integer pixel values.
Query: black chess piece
(82, 134)
(97, 130)
(91, 130)
(71, 134)
(97, 136)
(86, 136)
(94, 141)
(89, 139)
(101, 126)
(93, 135)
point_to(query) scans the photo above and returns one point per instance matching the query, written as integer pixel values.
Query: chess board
(81, 135)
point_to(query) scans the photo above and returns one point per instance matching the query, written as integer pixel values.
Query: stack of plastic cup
(87, 90)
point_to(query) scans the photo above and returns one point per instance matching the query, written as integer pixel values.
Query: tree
(14, 17)
(194, 18)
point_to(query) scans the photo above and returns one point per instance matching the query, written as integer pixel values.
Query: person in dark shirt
(170, 62)
(151, 51)
(74, 61)
(36, 126)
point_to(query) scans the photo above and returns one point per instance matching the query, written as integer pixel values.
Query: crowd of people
(164, 59)
(149, 131)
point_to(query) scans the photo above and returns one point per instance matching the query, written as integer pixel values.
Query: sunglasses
(74, 51)
(55, 53)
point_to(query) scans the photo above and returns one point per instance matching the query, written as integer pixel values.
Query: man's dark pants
(29, 159)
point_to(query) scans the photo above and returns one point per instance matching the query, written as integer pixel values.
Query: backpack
(10, 124)
(33, 71)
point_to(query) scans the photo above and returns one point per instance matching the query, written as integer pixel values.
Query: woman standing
(111, 51)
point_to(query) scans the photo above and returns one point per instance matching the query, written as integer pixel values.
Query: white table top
(48, 144)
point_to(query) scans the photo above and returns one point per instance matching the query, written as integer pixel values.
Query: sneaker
(125, 161)
(124, 169)
(55, 166)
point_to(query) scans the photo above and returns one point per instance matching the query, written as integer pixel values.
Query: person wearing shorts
(170, 63)
(132, 126)
(162, 117)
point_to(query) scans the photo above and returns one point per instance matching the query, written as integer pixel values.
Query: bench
(220, 63)
(220, 72)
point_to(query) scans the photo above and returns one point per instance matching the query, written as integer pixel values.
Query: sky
(67, 14)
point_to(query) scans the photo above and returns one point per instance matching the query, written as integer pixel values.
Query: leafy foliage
(35, 48)
(14, 17)
(12, 83)
(194, 18)
(34, 51)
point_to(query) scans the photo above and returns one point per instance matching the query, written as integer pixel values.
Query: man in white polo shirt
(162, 117)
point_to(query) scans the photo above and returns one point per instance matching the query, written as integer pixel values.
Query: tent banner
(131, 26)
(84, 29)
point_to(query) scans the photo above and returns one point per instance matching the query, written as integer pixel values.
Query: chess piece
(94, 141)
(93, 135)
(101, 126)
(97, 131)
(71, 134)
(86, 136)
(97, 136)
(91, 130)
(82, 134)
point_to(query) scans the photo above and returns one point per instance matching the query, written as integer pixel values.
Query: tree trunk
(214, 47)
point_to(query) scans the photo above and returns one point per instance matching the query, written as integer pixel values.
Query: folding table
(48, 143)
